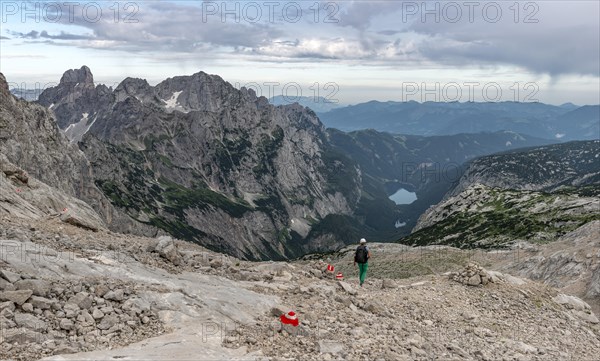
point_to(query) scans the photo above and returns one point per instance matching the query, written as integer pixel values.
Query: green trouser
(362, 269)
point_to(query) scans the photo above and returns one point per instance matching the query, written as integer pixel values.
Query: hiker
(361, 257)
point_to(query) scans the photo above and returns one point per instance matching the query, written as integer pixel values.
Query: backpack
(362, 255)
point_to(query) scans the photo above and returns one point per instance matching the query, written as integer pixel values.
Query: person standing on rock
(361, 257)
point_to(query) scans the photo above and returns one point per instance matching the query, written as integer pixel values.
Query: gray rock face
(545, 168)
(32, 146)
(207, 162)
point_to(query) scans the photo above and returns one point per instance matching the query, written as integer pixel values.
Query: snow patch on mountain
(76, 131)
(173, 103)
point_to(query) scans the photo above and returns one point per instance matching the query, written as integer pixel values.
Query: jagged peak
(73, 77)
(137, 82)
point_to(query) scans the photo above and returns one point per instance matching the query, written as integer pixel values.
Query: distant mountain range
(318, 104)
(565, 122)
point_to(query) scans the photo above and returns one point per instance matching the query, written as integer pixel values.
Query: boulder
(30, 322)
(66, 324)
(167, 249)
(22, 336)
(82, 299)
(10, 276)
(101, 289)
(346, 287)
(116, 295)
(97, 314)
(18, 297)
(80, 219)
(7, 305)
(6, 286)
(41, 302)
(108, 322)
(571, 302)
(388, 283)
(277, 311)
(39, 287)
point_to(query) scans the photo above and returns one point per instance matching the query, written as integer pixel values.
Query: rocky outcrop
(31, 141)
(547, 168)
(481, 216)
(26, 197)
(571, 263)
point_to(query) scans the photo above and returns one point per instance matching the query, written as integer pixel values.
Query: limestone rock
(166, 248)
(10, 276)
(347, 287)
(30, 322)
(22, 336)
(116, 295)
(82, 299)
(39, 287)
(18, 297)
(41, 302)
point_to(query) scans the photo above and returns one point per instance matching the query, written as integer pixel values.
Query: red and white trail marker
(339, 276)
(65, 210)
(330, 268)
(18, 190)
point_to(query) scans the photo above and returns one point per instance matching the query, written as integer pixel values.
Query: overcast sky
(350, 51)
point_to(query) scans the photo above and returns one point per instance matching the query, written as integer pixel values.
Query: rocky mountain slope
(445, 118)
(167, 299)
(487, 217)
(32, 143)
(536, 195)
(547, 168)
(206, 162)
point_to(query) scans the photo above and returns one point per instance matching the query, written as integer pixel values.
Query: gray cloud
(161, 26)
(4, 38)
(373, 32)
(33, 35)
(564, 40)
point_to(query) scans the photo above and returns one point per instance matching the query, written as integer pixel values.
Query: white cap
(362, 240)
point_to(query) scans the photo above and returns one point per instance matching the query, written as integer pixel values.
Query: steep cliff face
(209, 163)
(31, 140)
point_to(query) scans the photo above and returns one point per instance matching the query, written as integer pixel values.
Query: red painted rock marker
(330, 268)
(289, 318)
(339, 276)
